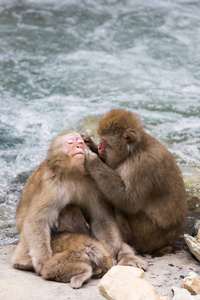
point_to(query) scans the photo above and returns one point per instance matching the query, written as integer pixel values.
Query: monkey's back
(32, 187)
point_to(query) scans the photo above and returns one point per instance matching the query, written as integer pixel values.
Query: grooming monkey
(141, 179)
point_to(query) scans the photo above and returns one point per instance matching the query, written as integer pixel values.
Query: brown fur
(71, 219)
(76, 258)
(142, 180)
(59, 181)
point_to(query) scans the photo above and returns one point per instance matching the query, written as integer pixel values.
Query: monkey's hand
(89, 142)
(90, 156)
(133, 261)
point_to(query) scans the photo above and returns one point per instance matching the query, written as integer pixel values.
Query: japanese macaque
(141, 179)
(76, 258)
(59, 181)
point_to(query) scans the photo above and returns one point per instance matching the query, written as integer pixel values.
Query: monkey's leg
(20, 259)
(108, 234)
(77, 280)
(36, 233)
(127, 257)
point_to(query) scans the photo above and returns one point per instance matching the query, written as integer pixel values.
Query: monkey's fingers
(86, 137)
(89, 155)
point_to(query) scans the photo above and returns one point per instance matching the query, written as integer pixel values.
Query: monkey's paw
(133, 261)
(89, 155)
(87, 139)
(24, 267)
(76, 282)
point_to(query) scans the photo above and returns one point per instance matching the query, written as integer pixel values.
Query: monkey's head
(120, 134)
(66, 152)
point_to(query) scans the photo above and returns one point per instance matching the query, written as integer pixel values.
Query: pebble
(193, 244)
(192, 283)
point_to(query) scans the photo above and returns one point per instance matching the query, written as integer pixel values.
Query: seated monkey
(59, 181)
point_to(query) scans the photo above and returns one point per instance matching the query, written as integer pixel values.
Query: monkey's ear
(129, 135)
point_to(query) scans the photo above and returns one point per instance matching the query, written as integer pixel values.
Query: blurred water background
(65, 63)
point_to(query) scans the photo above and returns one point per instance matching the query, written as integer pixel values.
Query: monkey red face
(102, 147)
(75, 145)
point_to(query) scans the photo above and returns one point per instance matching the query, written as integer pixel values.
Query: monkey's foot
(133, 261)
(24, 267)
(77, 281)
(165, 250)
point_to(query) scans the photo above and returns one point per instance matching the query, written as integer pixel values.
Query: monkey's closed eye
(80, 141)
(70, 141)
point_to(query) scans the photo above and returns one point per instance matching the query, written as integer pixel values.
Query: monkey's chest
(81, 193)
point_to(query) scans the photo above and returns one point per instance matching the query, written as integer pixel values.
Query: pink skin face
(75, 145)
(102, 147)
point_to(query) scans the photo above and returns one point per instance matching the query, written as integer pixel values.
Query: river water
(65, 63)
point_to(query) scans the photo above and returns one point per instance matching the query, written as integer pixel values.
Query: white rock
(126, 283)
(193, 244)
(183, 294)
(179, 294)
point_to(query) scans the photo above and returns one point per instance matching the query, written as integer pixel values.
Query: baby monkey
(71, 219)
(76, 256)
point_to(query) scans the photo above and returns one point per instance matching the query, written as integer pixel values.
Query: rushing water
(64, 62)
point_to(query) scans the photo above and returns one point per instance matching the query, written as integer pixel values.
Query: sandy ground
(163, 273)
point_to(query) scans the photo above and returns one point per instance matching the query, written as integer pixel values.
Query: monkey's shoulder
(153, 153)
(37, 177)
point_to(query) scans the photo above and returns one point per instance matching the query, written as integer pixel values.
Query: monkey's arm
(36, 231)
(106, 231)
(104, 228)
(111, 184)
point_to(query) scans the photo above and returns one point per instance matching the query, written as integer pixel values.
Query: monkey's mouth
(102, 148)
(79, 153)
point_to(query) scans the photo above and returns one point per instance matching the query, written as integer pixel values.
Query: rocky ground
(163, 273)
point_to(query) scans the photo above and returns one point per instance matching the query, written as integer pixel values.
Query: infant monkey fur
(76, 258)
